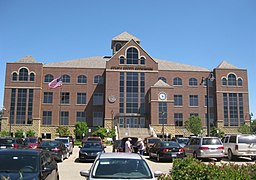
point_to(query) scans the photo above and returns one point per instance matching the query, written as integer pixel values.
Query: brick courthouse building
(129, 89)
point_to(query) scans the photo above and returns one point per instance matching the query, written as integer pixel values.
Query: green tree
(244, 129)
(216, 132)
(253, 126)
(30, 133)
(80, 129)
(194, 125)
(63, 131)
(19, 133)
(4, 133)
(103, 132)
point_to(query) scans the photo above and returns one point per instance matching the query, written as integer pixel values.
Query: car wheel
(62, 158)
(158, 158)
(230, 155)
(149, 154)
(218, 159)
(253, 158)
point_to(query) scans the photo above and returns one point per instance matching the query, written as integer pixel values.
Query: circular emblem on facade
(111, 98)
(162, 96)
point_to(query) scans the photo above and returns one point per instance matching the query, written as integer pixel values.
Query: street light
(208, 79)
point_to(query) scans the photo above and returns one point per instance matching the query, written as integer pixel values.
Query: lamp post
(208, 79)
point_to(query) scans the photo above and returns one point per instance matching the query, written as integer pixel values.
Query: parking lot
(71, 167)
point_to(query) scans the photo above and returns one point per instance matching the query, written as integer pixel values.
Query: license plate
(3, 147)
(174, 155)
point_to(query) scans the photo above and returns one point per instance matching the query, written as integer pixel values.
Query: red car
(33, 142)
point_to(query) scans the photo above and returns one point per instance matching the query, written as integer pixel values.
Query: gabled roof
(168, 65)
(226, 65)
(161, 83)
(90, 62)
(27, 59)
(125, 36)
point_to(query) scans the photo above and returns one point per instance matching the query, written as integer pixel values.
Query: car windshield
(247, 139)
(6, 141)
(92, 145)
(153, 140)
(211, 141)
(49, 144)
(63, 140)
(121, 169)
(182, 141)
(31, 140)
(93, 139)
(18, 163)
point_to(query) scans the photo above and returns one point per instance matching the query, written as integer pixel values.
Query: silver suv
(67, 142)
(204, 147)
(238, 145)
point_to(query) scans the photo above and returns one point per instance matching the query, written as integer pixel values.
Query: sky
(195, 32)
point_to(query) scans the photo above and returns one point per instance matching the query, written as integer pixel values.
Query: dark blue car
(27, 164)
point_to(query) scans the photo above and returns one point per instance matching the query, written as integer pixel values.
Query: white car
(119, 166)
(67, 143)
(238, 145)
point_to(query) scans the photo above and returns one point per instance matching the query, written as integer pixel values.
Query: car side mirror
(84, 173)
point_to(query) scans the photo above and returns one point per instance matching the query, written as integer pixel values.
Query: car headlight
(82, 152)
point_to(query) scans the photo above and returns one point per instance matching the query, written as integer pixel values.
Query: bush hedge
(190, 168)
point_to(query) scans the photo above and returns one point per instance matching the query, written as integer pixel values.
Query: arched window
(177, 81)
(162, 78)
(132, 56)
(23, 74)
(32, 77)
(193, 82)
(231, 80)
(48, 78)
(240, 82)
(65, 78)
(224, 81)
(118, 46)
(14, 76)
(82, 79)
(98, 79)
(121, 60)
(142, 60)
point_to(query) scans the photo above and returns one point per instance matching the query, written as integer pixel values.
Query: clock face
(162, 96)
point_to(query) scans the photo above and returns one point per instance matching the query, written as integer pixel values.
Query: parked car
(71, 139)
(10, 142)
(67, 143)
(182, 141)
(32, 142)
(92, 138)
(166, 150)
(149, 141)
(57, 149)
(27, 164)
(90, 150)
(119, 166)
(117, 146)
(238, 145)
(205, 147)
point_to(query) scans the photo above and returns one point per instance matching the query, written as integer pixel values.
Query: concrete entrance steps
(134, 132)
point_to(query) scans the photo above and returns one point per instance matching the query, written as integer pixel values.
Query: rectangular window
(48, 96)
(81, 116)
(241, 108)
(81, 98)
(178, 119)
(193, 100)
(30, 105)
(64, 97)
(178, 100)
(233, 109)
(225, 108)
(193, 114)
(47, 117)
(121, 91)
(21, 106)
(97, 99)
(132, 92)
(162, 112)
(97, 119)
(64, 117)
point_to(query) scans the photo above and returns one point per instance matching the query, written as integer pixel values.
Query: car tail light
(165, 150)
(56, 149)
(181, 150)
(203, 148)
(220, 148)
(236, 147)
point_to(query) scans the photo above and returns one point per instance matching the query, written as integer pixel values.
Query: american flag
(57, 82)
